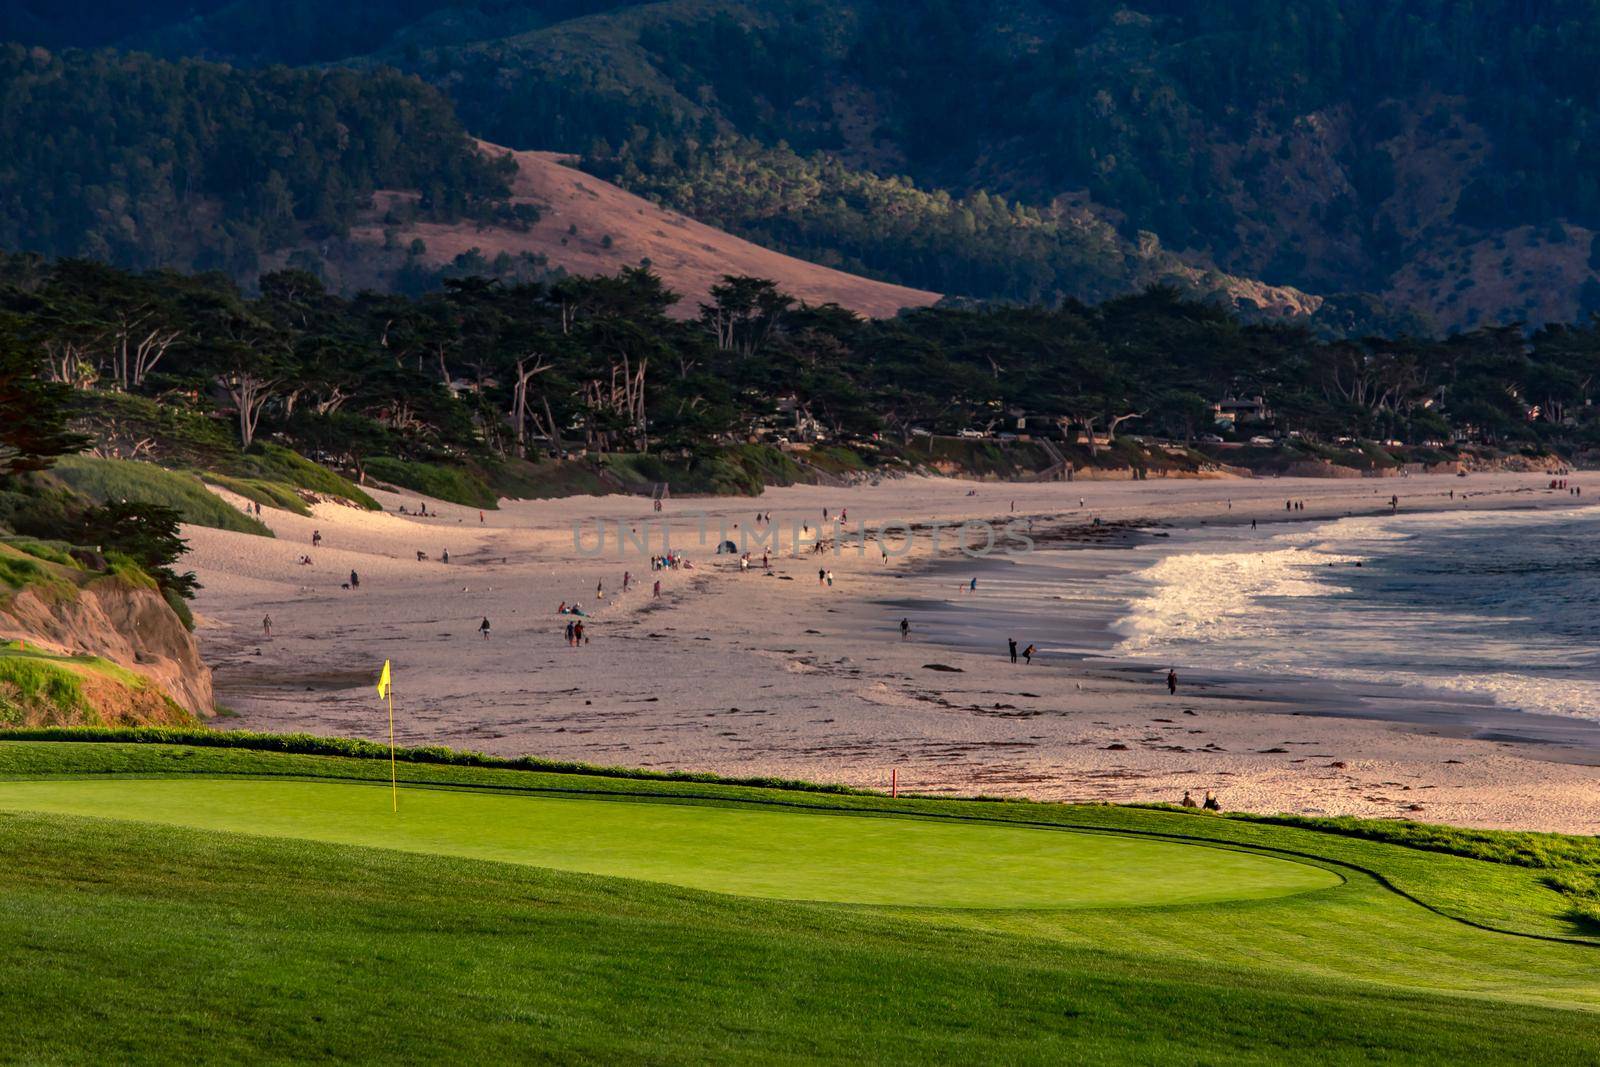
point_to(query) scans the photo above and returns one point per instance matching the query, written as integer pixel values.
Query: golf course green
(208, 897)
(857, 859)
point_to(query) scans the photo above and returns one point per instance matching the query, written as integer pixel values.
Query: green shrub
(455, 484)
(180, 607)
(127, 569)
(109, 480)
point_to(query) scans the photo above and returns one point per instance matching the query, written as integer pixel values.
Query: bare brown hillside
(589, 226)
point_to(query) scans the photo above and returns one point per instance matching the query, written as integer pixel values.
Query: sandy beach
(780, 673)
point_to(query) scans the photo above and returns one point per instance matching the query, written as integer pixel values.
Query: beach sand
(750, 673)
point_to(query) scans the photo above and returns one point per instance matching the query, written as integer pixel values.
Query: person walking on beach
(657, 594)
(905, 629)
(266, 625)
(830, 579)
(577, 634)
(1172, 682)
(483, 627)
(1252, 524)
(569, 635)
(1027, 655)
(972, 586)
(355, 580)
(316, 538)
(822, 575)
(1012, 642)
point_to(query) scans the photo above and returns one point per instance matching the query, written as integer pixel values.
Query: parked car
(1262, 441)
(1211, 439)
(969, 433)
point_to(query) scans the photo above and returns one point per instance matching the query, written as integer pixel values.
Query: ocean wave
(1502, 606)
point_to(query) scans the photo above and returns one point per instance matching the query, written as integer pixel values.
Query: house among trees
(1234, 411)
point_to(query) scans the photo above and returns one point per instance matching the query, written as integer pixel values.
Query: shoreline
(756, 674)
(1425, 708)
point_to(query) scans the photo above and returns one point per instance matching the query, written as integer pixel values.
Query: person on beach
(569, 634)
(1027, 654)
(1012, 642)
(905, 629)
(972, 586)
(483, 627)
(657, 594)
(577, 635)
(266, 625)
(480, 518)
(444, 557)
(355, 580)
(1252, 524)
(627, 580)
(1188, 800)
(1211, 803)
(1172, 682)
(822, 575)
(316, 538)
(830, 579)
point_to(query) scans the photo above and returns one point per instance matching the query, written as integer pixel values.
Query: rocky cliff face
(81, 614)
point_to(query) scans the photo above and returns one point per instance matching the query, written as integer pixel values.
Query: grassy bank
(275, 947)
(42, 689)
(106, 480)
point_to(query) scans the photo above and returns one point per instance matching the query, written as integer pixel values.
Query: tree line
(521, 370)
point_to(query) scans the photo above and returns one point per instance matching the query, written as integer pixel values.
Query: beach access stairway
(1057, 469)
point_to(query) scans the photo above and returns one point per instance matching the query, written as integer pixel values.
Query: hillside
(1393, 155)
(588, 226)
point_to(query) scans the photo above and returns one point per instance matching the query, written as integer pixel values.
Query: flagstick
(394, 788)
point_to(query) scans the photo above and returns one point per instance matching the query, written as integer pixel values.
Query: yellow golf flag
(386, 692)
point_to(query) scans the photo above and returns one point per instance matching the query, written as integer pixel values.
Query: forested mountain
(146, 163)
(1437, 155)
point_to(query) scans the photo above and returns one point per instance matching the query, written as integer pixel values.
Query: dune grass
(146, 941)
(104, 480)
(259, 491)
(272, 463)
(454, 484)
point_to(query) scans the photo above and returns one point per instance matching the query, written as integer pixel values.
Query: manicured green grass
(143, 941)
(753, 852)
